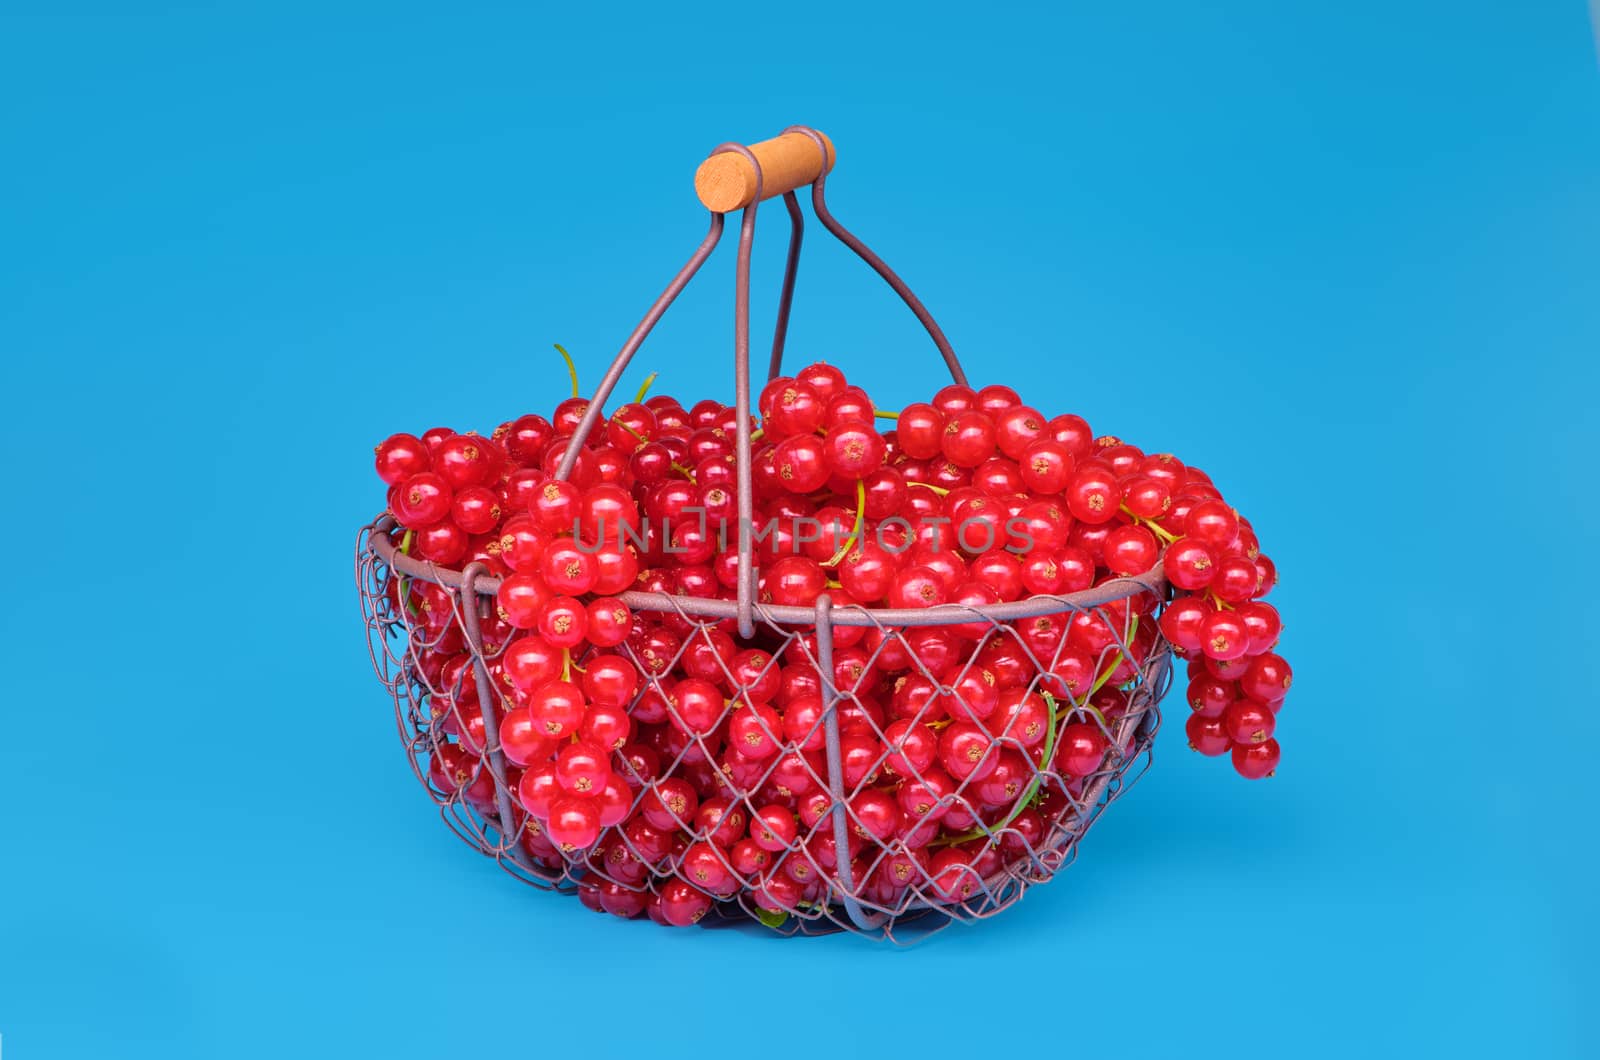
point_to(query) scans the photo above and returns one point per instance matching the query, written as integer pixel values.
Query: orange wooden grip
(727, 182)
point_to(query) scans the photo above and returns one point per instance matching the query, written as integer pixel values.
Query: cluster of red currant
(674, 763)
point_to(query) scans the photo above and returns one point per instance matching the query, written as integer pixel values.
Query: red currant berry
(683, 904)
(1235, 578)
(1223, 636)
(610, 681)
(1207, 735)
(1046, 466)
(1190, 564)
(1183, 622)
(422, 500)
(567, 569)
(969, 439)
(967, 752)
(914, 746)
(1092, 495)
(1130, 550)
(756, 731)
(801, 463)
(1212, 522)
(670, 804)
(555, 507)
(697, 705)
(562, 621)
(953, 879)
(529, 662)
(606, 725)
(574, 822)
(794, 581)
(538, 789)
(521, 738)
(443, 543)
(774, 828)
(1146, 496)
(915, 587)
(476, 509)
(720, 821)
(1072, 432)
(874, 815)
(1080, 749)
(464, 460)
(400, 456)
(1210, 697)
(1248, 722)
(1262, 622)
(1254, 761)
(558, 707)
(854, 450)
(1267, 679)
(920, 431)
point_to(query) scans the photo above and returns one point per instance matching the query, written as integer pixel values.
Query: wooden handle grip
(727, 182)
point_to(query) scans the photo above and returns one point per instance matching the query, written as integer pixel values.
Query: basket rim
(1154, 581)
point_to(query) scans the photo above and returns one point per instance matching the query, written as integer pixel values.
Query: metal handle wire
(741, 340)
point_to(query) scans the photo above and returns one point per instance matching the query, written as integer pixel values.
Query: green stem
(645, 389)
(405, 583)
(572, 369)
(1148, 524)
(885, 415)
(641, 439)
(940, 490)
(1026, 798)
(860, 525)
(1100, 682)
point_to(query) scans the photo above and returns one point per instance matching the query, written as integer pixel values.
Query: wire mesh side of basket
(491, 821)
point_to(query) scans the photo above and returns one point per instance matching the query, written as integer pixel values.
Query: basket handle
(738, 177)
(728, 180)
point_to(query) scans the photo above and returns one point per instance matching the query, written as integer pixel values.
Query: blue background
(1343, 256)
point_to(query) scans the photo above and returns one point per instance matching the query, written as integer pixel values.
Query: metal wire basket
(882, 889)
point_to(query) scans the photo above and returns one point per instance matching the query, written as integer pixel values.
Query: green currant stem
(884, 414)
(1148, 524)
(1026, 798)
(572, 369)
(1100, 682)
(940, 490)
(860, 525)
(641, 439)
(405, 583)
(645, 389)
(566, 665)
